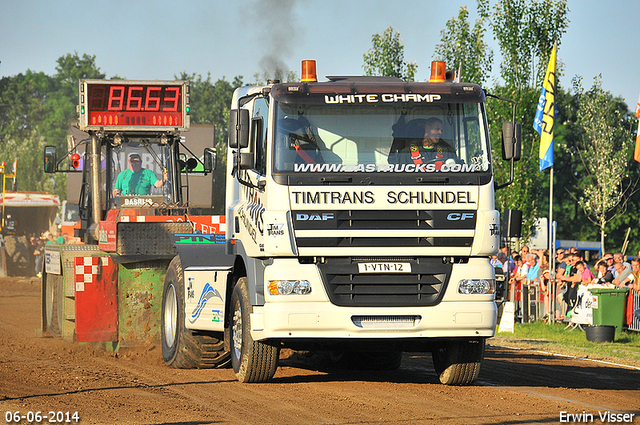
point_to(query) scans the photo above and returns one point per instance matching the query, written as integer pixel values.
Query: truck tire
(253, 361)
(458, 363)
(53, 304)
(17, 255)
(182, 348)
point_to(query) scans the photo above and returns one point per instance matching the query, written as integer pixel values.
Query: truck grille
(350, 242)
(423, 286)
(384, 220)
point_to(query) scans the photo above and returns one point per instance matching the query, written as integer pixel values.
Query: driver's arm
(160, 182)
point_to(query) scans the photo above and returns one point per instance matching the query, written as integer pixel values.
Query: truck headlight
(289, 287)
(477, 286)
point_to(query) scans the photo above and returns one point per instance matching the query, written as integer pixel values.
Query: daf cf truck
(360, 222)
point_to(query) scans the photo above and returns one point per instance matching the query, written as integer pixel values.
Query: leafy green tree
(464, 48)
(386, 57)
(526, 31)
(525, 193)
(36, 111)
(604, 151)
(60, 105)
(22, 112)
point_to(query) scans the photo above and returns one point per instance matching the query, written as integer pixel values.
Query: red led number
(174, 99)
(139, 98)
(116, 98)
(153, 99)
(134, 103)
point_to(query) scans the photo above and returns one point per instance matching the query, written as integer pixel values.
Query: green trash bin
(609, 307)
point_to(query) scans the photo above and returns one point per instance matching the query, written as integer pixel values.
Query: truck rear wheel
(253, 361)
(458, 363)
(17, 252)
(181, 347)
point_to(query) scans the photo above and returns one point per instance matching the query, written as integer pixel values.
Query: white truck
(341, 236)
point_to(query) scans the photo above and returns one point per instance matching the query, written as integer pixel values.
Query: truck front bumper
(324, 320)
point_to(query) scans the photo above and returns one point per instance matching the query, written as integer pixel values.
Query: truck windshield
(138, 170)
(385, 139)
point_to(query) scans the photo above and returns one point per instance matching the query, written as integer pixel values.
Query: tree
(464, 48)
(60, 104)
(21, 116)
(526, 31)
(36, 111)
(604, 151)
(386, 57)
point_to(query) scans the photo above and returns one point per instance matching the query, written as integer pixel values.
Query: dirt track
(135, 387)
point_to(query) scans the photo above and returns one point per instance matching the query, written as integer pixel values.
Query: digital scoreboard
(134, 105)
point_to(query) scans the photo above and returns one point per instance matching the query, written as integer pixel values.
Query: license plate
(384, 267)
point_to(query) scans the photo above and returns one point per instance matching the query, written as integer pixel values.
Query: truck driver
(135, 180)
(431, 149)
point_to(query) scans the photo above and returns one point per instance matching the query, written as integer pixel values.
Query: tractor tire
(183, 348)
(253, 361)
(17, 254)
(458, 363)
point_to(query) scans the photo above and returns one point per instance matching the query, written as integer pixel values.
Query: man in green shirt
(135, 180)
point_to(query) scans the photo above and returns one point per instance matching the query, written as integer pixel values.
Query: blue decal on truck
(207, 293)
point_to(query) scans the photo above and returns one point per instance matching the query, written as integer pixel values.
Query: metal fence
(529, 303)
(635, 325)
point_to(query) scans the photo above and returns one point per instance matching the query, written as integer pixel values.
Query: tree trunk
(602, 226)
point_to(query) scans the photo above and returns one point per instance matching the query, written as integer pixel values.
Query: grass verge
(625, 349)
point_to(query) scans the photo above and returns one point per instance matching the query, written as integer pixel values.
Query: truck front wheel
(253, 361)
(181, 347)
(458, 362)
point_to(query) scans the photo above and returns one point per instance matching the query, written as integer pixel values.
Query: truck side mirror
(246, 161)
(210, 159)
(50, 159)
(511, 141)
(239, 128)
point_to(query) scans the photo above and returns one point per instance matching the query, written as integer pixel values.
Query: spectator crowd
(36, 250)
(571, 270)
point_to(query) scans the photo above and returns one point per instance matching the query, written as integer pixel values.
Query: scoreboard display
(134, 105)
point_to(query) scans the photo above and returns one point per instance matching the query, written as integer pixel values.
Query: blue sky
(161, 38)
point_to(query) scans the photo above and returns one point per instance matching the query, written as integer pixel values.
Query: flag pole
(551, 285)
(544, 123)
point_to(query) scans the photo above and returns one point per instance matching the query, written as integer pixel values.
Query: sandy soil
(134, 386)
